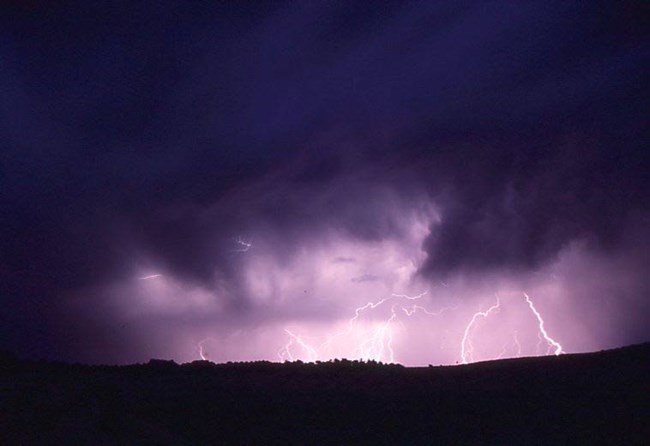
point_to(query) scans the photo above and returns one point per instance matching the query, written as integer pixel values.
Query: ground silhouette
(593, 398)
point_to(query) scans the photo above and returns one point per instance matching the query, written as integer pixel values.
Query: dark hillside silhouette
(594, 398)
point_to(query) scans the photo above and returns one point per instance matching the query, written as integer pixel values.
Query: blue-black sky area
(159, 133)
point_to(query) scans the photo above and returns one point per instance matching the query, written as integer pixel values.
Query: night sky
(236, 179)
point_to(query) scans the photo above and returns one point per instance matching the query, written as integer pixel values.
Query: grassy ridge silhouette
(592, 398)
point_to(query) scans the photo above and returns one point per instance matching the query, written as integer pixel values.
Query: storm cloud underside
(277, 166)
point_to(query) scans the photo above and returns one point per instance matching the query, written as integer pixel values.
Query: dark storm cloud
(165, 130)
(525, 204)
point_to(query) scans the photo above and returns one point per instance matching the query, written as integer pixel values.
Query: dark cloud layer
(165, 130)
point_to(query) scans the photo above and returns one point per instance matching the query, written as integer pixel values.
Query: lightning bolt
(285, 352)
(357, 311)
(373, 347)
(375, 343)
(466, 343)
(507, 346)
(202, 353)
(466, 347)
(517, 344)
(379, 339)
(504, 350)
(243, 246)
(152, 276)
(540, 324)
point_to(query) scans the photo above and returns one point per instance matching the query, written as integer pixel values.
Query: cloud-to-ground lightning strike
(380, 338)
(202, 353)
(285, 352)
(540, 323)
(373, 347)
(466, 347)
(508, 345)
(466, 343)
(376, 343)
(517, 344)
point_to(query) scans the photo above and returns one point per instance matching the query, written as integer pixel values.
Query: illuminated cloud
(221, 180)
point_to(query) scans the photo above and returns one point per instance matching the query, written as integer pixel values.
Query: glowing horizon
(345, 298)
